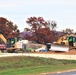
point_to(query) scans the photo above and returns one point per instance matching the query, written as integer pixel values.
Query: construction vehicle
(64, 44)
(14, 45)
(2, 43)
(63, 40)
(10, 44)
(72, 42)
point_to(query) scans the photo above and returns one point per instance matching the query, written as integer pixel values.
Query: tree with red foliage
(28, 34)
(40, 31)
(43, 35)
(8, 29)
(36, 23)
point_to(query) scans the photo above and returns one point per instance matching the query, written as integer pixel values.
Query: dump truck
(64, 43)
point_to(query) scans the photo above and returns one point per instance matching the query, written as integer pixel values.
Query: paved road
(64, 73)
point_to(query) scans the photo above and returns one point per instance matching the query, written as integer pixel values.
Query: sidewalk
(56, 56)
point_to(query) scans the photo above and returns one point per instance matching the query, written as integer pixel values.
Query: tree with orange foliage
(40, 30)
(8, 29)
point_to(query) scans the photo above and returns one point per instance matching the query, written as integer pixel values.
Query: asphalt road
(64, 73)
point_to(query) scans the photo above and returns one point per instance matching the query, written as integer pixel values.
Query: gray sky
(62, 11)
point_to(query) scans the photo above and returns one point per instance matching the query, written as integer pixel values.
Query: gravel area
(71, 55)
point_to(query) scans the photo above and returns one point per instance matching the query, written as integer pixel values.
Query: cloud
(52, 2)
(63, 11)
(17, 3)
(7, 5)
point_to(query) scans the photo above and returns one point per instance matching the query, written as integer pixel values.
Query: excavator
(64, 43)
(10, 44)
(14, 45)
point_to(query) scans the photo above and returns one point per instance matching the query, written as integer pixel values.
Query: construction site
(64, 45)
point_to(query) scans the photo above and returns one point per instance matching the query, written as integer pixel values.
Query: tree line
(40, 30)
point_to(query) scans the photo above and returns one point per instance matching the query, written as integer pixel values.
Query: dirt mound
(34, 46)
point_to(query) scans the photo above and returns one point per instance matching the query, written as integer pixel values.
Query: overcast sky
(62, 11)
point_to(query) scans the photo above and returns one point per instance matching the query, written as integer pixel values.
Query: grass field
(22, 65)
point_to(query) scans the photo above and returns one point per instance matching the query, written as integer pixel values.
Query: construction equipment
(64, 43)
(2, 43)
(3, 38)
(14, 45)
(59, 47)
(63, 40)
(72, 42)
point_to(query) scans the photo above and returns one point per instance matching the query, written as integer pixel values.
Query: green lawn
(23, 65)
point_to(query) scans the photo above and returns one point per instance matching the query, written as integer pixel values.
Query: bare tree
(52, 25)
(68, 31)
